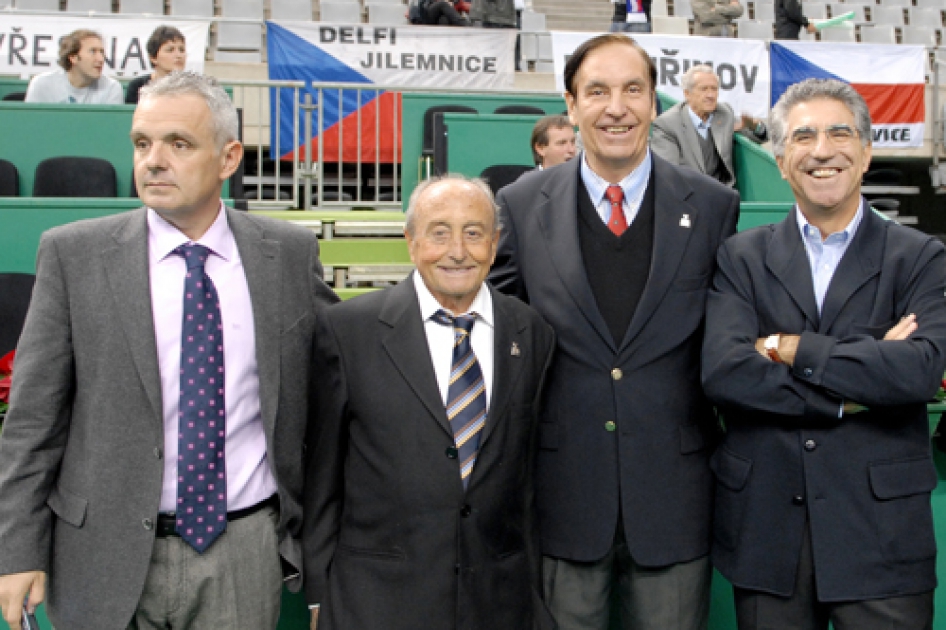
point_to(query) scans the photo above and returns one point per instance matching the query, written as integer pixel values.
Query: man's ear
(230, 158)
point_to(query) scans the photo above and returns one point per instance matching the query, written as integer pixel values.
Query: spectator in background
(789, 20)
(715, 17)
(446, 12)
(553, 141)
(698, 131)
(631, 16)
(167, 52)
(82, 57)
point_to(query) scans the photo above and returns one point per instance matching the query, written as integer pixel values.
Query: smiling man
(616, 249)
(825, 338)
(553, 141)
(419, 496)
(82, 58)
(151, 460)
(698, 131)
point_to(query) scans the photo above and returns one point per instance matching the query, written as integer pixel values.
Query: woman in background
(167, 53)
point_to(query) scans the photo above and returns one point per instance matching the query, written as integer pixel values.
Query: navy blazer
(625, 428)
(862, 480)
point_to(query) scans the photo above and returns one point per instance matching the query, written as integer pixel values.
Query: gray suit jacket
(861, 482)
(674, 138)
(81, 454)
(392, 540)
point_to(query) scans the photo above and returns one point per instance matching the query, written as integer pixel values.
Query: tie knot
(615, 194)
(195, 255)
(464, 322)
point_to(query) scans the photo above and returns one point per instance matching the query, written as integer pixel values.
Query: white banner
(422, 56)
(29, 44)
(742, 65)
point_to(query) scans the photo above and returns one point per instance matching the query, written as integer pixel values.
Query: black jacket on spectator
(789, 19)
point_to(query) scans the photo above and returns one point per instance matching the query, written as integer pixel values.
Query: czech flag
(891, 78)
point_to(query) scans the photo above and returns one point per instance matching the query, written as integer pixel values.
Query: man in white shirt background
(82, 58)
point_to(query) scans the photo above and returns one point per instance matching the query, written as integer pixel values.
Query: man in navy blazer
(623, 486)
(825, 338)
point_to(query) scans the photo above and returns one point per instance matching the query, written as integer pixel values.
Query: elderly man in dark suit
(151, 460)
(825, 338)
(419, 495)
(616, 250)
(698, 131)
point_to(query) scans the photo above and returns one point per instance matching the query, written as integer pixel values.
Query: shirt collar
(807, 230)
(482, 304)
(164, 237)
(632, 184)
(698, 122)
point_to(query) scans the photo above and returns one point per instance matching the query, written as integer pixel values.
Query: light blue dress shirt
(702, 127)
(634, 187)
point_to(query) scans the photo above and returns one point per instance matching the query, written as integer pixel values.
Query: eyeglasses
(839, 135)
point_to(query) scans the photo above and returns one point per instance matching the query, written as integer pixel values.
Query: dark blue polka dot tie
(201, 470)
(466, 395)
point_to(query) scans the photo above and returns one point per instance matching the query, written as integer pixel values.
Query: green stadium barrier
(498, 138)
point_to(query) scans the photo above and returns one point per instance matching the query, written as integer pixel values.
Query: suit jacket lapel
(722, 136)
(127, 270)
(558, 219)
(404, 340)
(670, 241)
(261, 266)
(787, 260)
(507, 364)
(859, 264)
(691, 143)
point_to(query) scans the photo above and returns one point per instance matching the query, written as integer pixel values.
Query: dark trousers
(803, 611)
(443, 12)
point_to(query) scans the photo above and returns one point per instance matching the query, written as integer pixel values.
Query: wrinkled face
(824, 159)
(87, 64)
(171, 56)
(453, 242)
(179, 170)
(613, 107)
(703, 95)
(561, 147)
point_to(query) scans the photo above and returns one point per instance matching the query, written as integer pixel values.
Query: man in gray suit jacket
(419, 502)
(616, 249)
(151, 470)
(825, 338)
(698, 131)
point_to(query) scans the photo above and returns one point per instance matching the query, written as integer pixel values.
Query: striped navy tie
(466, 396)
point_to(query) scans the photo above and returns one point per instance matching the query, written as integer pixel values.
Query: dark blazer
(81, 464)
(863, 480)
(654, 467)
(391, 539)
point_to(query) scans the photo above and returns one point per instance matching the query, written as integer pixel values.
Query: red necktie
(617, 223)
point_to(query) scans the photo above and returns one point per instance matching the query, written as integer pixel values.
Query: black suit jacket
(391, 539)
(653, 469)
(863, 480)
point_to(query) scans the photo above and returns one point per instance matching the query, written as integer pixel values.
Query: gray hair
(476, 182)
(188, 83)
(688, 76)
(811, 90)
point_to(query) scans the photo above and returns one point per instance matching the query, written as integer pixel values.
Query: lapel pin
(685, 221)
(514, 351)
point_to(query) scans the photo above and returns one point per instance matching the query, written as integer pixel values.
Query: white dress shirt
(440, 338)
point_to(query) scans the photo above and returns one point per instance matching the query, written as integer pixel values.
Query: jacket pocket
(394, 555)
(692, 283)
(732, 474)
(67, 506)
(903, 517)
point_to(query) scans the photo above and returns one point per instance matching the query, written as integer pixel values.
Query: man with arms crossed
(419, 494)
(82, 57)
(616, 250)
(553, 141)
(150, 470)
(825, 338)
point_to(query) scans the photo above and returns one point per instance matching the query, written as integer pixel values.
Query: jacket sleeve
(37, 423)
(827, 371)
(664, 143)
(794, 13)
(504, 274)
(710, 12)
(326, 449)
